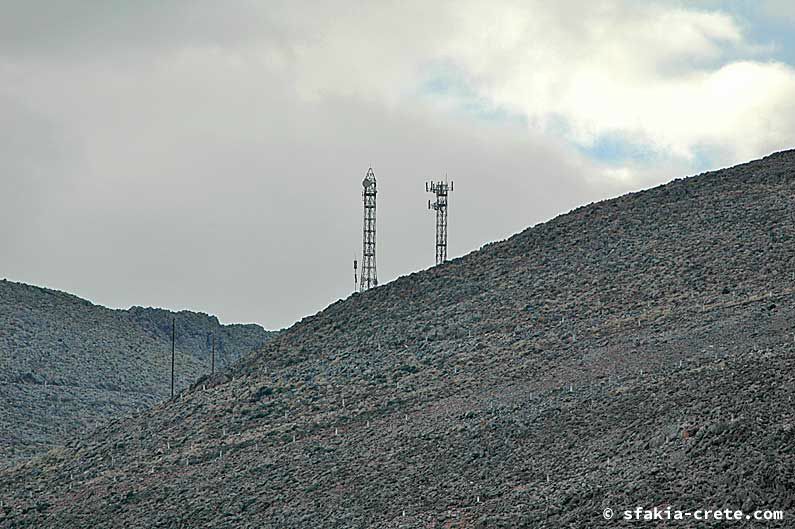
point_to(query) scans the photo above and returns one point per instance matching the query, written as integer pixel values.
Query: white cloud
(666, 77)
(684, 83)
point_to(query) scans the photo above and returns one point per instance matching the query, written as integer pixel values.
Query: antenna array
(441, 190)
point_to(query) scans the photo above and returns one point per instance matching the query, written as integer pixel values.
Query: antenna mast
(441, 190)
(369, 279)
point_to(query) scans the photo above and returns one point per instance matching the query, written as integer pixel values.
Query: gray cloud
(182, 155)
(89, 29)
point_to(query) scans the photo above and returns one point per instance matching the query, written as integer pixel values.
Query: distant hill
(67, 364)
(633, 352)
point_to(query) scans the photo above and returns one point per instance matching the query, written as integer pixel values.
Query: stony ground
(67, 365)
(634, 352)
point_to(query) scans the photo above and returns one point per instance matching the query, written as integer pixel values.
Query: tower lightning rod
(173, 342)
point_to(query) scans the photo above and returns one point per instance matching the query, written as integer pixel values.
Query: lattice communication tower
(369, 278)
(441, 190)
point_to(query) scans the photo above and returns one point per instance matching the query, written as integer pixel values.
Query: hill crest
(632, 352)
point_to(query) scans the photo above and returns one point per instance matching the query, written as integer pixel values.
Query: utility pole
(441, 190)
(173, 342)
(212, 366)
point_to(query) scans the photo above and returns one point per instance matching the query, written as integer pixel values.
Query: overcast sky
(209, 155)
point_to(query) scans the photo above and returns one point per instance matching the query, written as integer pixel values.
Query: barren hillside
(67, 365)
(633, 352)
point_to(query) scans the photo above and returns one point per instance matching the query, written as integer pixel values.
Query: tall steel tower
(441, 190)
(369, 278)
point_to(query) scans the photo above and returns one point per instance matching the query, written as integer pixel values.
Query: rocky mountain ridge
(632, 352)
(66, 363)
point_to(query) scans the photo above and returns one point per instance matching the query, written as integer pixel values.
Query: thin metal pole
(212, 368)
(173, 342)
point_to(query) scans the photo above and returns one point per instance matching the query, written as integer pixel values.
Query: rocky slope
(633, 352)
(66, 364)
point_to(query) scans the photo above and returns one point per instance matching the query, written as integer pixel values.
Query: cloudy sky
(209, 155)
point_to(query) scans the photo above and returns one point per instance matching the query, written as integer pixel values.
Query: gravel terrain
(632, 352)
(67, 365)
